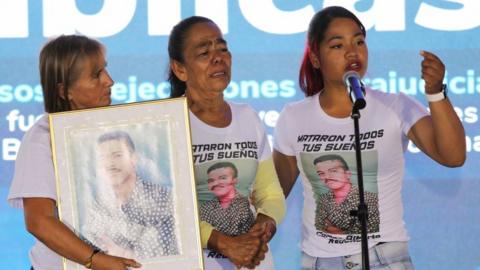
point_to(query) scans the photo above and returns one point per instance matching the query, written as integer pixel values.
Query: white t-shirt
(305, 131)
(244, 144)
(35, 178)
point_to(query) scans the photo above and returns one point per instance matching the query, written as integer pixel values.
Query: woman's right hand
(241, 249)
(102, 261)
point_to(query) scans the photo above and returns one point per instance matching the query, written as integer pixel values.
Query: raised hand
(433, 71)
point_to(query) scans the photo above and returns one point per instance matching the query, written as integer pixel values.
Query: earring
(315, 62)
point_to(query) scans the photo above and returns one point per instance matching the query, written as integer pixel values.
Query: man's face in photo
(333, 174)
(221, 181)
(116, 161)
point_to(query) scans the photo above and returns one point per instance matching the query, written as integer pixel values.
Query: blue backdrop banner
(266, 39)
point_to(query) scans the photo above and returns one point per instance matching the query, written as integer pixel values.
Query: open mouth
(219, 74)
(355, 66)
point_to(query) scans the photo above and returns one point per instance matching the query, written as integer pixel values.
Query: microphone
(356, 89)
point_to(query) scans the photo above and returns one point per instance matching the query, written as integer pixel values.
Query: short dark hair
(176, 47)
(61, 62)
(117, 135)
(224, 164)
(332, 157)
(310, 78)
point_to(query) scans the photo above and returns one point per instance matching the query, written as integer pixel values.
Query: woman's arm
(441, 135)
(267, 194)
(41, 221)
(287, 171)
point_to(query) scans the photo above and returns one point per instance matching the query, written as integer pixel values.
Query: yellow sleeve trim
(205, 232)
(267, 193)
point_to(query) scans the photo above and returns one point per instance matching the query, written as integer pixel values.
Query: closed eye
(97, 75)
(99, 71)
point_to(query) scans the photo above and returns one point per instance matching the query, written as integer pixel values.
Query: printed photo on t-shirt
(334, 182)
(223, 188)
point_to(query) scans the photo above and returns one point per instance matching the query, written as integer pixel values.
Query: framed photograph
(125, 182)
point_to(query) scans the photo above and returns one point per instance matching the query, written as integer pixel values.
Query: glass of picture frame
(125, 182)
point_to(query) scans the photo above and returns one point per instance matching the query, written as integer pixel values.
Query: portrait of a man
(230, 211)
(333, 208)
(128, 215)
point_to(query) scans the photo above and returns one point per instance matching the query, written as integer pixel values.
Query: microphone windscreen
(348, 75)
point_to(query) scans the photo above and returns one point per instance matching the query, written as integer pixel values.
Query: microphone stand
(362, 211)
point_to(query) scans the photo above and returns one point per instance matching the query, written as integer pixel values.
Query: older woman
(73, 76)
(200, 69)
